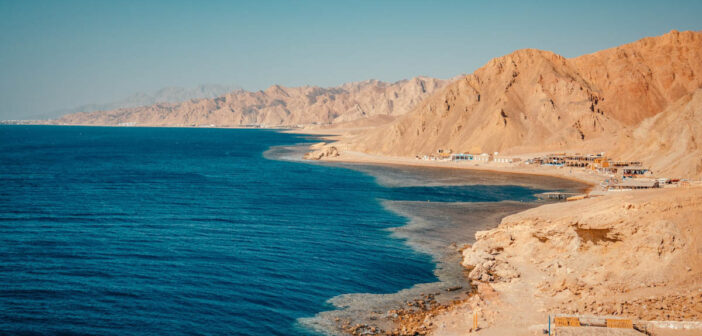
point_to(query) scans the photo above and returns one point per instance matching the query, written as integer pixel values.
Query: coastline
(355, 157)
(504, 301)
(331, 136)
(438, 229)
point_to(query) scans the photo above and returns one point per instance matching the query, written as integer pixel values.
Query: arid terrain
(637, 100)
(633, 254)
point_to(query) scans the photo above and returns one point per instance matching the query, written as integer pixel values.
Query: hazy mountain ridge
(535, 101)
(275, 106)
(171, 94)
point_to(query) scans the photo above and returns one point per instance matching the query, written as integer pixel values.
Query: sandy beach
(332, 135)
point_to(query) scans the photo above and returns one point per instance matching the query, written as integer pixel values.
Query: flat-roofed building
(632, 171)
(482, 157)
(461, 157)
(505, 159)
(635, 184)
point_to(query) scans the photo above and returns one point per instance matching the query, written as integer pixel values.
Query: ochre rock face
(535, 101)
(276, 106)
(646, 76)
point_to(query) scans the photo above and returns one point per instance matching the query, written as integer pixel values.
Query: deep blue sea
(153, 231)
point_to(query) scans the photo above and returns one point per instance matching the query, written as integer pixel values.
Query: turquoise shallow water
(151, 231)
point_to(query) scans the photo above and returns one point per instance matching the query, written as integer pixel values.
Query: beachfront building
(461, 157)
(575, 157)
(602, 164)
(578, 160)
(504, 159)
(635, 184)
(576, 163)
(607, 170)
(482, 157)
(554, 160)
(631, 171)
(444, 154)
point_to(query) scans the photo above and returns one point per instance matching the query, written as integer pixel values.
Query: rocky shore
(633, 254)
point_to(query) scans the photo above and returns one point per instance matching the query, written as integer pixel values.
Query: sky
(62, 54)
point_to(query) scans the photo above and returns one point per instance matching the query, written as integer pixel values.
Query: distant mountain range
(171, 94)
(274, 107)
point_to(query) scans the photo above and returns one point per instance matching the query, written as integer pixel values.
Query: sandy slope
(669, 142)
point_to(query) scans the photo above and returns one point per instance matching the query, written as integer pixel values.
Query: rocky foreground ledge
(634, 254)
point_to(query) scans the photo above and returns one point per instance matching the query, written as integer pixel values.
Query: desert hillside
(276, 106)
(642, 97)
(668, 142)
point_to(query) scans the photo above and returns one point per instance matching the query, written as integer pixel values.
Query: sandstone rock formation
(276, 106)
(323, 152)
(535, 101)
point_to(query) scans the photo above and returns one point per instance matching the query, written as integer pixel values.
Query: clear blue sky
(60, 54)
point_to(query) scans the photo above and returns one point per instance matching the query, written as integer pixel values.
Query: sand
(580, 175)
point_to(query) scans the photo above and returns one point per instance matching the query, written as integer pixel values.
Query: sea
(182, 231)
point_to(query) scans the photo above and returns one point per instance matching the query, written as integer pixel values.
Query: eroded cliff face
(276, 106)
(535, 101)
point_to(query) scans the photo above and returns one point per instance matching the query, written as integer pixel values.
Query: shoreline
(591, 180)
(501, 305)
(332, 136)
(439, 229)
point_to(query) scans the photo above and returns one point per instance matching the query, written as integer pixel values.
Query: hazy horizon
(60, 55)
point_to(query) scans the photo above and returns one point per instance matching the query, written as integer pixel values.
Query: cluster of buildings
(596, 162)
(448, 155)
(624, 175)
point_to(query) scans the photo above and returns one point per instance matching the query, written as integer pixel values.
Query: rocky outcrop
(324, 152)
(635, 254)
